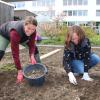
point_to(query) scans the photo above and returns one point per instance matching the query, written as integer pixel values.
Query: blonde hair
(74, 29)
(30, 20)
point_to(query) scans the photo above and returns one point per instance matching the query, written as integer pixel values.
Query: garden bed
(56, 86)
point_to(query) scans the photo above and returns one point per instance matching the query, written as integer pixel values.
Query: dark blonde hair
(30, 20)
(74, 29)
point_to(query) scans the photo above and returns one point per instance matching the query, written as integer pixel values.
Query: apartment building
(78, 12)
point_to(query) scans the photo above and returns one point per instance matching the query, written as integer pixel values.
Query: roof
(16, 0)
(7, 3)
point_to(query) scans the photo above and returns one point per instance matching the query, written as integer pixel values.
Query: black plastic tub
(35, 81)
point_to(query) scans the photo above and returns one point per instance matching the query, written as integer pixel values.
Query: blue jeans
(77, 66)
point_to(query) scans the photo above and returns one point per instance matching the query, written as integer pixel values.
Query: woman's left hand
(86, 77)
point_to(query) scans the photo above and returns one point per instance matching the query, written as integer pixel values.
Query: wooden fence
(6, 12)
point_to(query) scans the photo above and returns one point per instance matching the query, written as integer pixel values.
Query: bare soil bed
(56, 86)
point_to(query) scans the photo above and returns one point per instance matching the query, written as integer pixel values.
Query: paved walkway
(58, 46)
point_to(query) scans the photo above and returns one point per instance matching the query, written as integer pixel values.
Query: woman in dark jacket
(19, 32)
(77, 57)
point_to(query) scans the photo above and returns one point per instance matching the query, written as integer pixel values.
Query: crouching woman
(77, 57)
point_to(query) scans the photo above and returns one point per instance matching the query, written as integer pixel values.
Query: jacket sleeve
(66, 60)
(31, 44)
(38, 37)
(86, 54)
(15, 40)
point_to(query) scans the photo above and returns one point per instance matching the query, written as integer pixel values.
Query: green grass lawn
(95, 40)
(54, 41)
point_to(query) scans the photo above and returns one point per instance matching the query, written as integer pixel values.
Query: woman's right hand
(72, 78)
(19, 76)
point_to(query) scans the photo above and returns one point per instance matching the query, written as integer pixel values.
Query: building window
(52, 2)
(97, 12)
(82, 12)
(19, 4)
(65, 12)
(74, 12)
(85, 2)
(74, 2)
(97, 2)
(43, 2)
(49, 2)
(79, 12)
(80, 2)
(39, 2)
(64, 2)
(34, 3)
(70, 13)
(69, 2)
(71, 23)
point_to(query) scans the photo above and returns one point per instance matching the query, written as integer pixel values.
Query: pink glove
(33, 61)
(19, 76)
